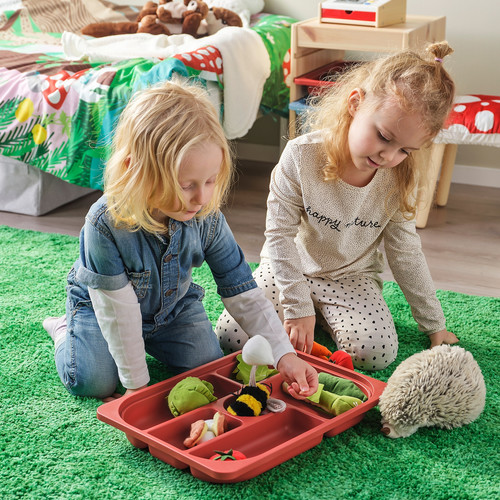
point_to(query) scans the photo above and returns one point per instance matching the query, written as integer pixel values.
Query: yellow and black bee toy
(251, 401)
(256, 397)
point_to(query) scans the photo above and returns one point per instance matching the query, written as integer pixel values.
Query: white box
(375, 13)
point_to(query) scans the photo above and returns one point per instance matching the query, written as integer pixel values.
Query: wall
(472, 30)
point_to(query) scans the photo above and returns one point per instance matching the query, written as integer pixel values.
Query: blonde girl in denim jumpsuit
(130, 291)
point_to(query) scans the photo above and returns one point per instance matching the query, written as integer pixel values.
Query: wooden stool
(475, 119)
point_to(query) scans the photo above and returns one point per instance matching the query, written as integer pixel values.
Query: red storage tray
(323, 76)
(266, 440)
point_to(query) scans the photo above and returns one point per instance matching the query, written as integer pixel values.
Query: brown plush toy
(192, 17)
(182, 17)
(218, 18)
(146, 22)
(107, 29)
(150, 24)
(147, 9)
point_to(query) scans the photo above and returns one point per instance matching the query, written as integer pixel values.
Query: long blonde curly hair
(155, 131)
(418, 83)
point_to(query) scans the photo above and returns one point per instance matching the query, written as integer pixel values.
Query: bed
(61, 92)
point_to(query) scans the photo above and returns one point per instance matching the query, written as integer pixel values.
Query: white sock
(56, 328)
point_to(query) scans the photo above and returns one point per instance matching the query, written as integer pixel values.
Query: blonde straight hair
(155, 131)
(418, 83)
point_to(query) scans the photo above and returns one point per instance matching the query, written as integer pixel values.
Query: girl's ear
(354, 100)
(127, 161)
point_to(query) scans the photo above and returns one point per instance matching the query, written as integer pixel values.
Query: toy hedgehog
(442, 387)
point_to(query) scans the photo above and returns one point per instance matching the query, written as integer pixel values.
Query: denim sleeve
(230, 270)
(102, 266)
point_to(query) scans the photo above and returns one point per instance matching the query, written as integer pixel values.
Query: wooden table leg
(443, 188)
(427, 186)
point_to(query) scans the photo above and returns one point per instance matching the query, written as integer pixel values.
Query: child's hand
(300, 376)
(442, 337)
(301, 332)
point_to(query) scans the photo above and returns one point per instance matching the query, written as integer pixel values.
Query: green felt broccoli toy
(189, 394)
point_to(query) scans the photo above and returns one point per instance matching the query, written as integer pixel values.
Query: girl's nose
(200, 196)
(388, 154)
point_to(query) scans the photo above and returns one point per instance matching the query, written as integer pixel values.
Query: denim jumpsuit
(176, 329)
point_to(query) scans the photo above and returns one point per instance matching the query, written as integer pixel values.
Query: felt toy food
(242, 371)
(251, 401)
(255, 397)
(340, 386)
(228, 455)
(188, 394)
(442, 387)
(348, 394)
(340, 358)
(203, 430)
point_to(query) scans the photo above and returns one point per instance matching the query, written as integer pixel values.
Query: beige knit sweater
(333, 230)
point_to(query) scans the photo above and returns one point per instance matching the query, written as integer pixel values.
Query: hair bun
(439, 50)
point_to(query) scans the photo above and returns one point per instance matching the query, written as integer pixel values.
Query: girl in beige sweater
(341, 190)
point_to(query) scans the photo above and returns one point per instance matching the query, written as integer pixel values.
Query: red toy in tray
(248, 445)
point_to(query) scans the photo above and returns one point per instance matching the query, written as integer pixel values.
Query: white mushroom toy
(254, 397)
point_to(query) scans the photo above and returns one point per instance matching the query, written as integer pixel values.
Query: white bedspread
(245, 59)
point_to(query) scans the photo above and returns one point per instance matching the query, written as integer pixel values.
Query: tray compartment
(273, 382)
(222, 385)
(176, 430)
(148, 412)
(228, 369)
(257, 435)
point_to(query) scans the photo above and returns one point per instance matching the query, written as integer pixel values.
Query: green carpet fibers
(53, 446)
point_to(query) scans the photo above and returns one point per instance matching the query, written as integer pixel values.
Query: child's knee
(231, 336)
(370, 356)
(92, 386)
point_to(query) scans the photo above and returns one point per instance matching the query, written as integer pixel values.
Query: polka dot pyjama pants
(352, 310)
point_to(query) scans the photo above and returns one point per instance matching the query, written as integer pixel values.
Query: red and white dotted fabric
(287, 63)
(474, 119)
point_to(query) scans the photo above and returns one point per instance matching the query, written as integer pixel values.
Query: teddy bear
(148, 8)
(192, 17)
(150, 24)
(146, 22)
(243, 8)
(218, 18)
(182, 17)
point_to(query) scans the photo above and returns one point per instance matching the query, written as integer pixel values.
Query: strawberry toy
(228, 455)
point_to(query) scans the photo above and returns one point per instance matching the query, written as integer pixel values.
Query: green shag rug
(53, 446)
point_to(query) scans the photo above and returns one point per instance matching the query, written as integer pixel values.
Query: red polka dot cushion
(474, 119)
